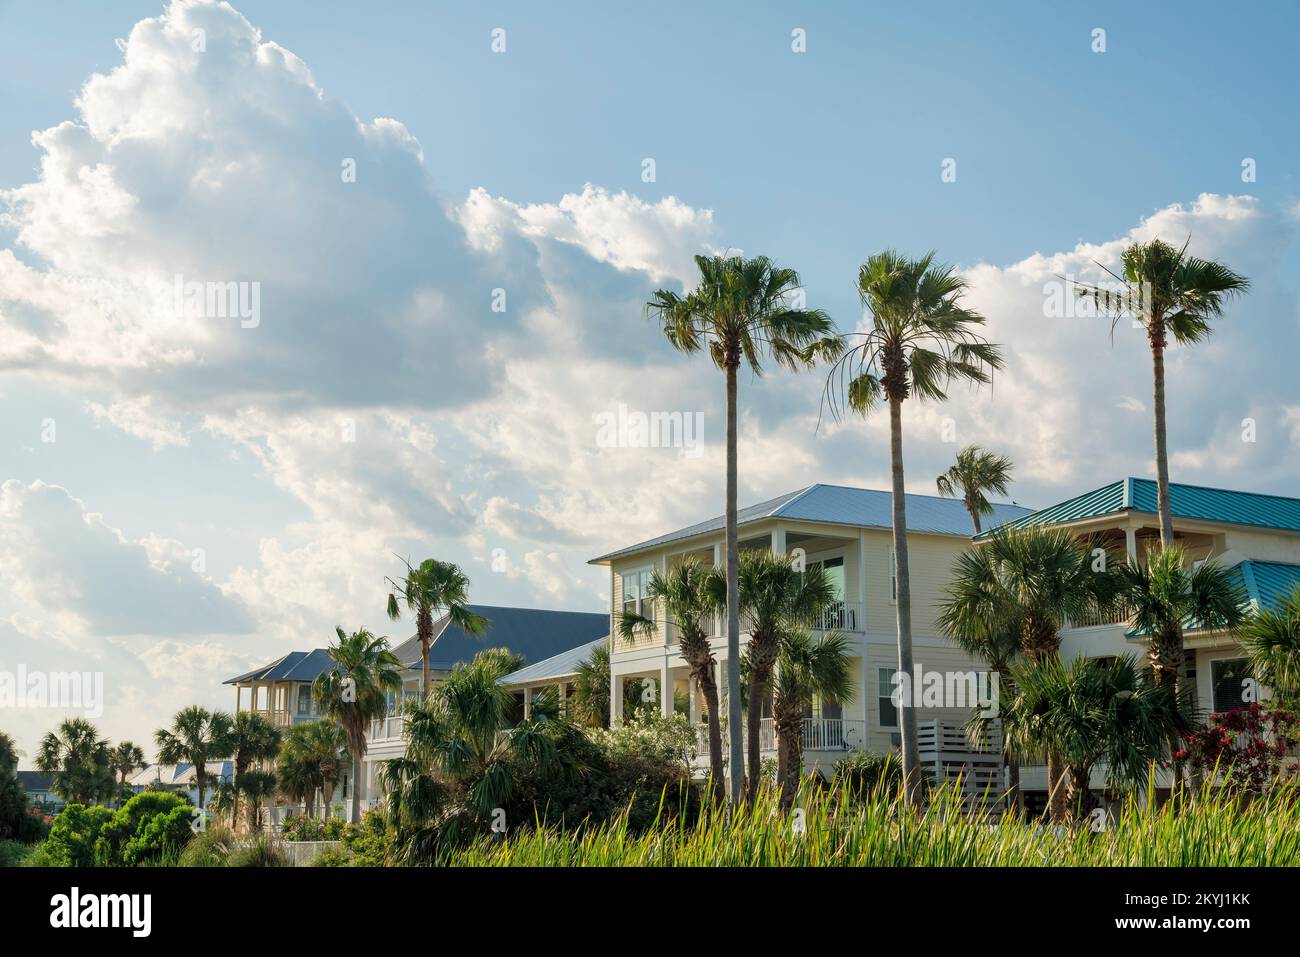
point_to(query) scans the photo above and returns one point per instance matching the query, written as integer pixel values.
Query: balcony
(1102, 617)
(279, 718)
(387, 728)
(819, 734)
(840, 616)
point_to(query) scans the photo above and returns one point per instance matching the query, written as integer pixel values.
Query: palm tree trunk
(907, 714)
(1058, 798)
(710, 689)
(1017, 799)
(356, 790)
(733, 595)
(424, 626)
(1162, 448)
(201, 781)
(757, 689)
(974, 516)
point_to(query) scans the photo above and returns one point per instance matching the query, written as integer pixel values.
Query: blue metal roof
(535, 633)
(1268, 583)
(844, 505)
(557, 666)
(1185, 501)
(295, 666)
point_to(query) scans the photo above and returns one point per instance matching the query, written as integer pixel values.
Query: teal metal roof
(845, 505)
(1268, 583)
(1185, 501)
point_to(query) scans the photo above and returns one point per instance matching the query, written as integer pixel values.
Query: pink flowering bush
(1246, 745)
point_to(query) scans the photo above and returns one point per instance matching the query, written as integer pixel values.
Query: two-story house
(847, 532)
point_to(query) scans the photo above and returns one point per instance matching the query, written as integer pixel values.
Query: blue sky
(522, 171)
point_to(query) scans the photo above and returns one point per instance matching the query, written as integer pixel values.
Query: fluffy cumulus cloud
(217, 253)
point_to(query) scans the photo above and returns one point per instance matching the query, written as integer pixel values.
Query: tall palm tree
(1026, 582)
(79, 761)
(254, 739)
(921, 340)
(1085, 713)
(355, 692)
(126, 757)
(691, 594)
(196, 736)
(1272, 637)
(976, 472)
(1169, 293)
(806, 667)
(431, 591)
(742, 311)
(774, 597)
(327, 745)
(1166, 596)
(996, 642)
(256, 786)
(297, 769)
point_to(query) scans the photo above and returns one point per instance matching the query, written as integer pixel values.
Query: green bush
(332, 857)
(211, 848)
(74, 837)
(369, 843)
(12, 853)
(861, 773)
(300, 827)
(258, 852)
(146, 827)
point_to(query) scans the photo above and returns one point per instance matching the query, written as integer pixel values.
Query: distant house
(282, 690)
(39, 788)
(559, 673)
(181, 779)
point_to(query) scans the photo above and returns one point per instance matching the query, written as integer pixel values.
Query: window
(893, 576)
(304, 699)
(635, 586)
(1228, 678)
(888, 710)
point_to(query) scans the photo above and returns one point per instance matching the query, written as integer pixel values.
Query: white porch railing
(388, 727)
(950, 755)
(819, 734)
(1093, 618)
(840, 616)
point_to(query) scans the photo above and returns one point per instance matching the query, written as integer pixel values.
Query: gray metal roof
(562, 665)
(295, 666)
(35, 780)
(843, 505)
(535, 633)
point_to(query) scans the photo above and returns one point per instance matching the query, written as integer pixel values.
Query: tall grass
(837, 829)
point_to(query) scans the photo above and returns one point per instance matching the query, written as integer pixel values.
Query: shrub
(861, 773)
(146, 827)
(12, 853)
(74, 837)
(258, 852)
(211, 848)
(368, 844)
(1246, 745)
(301, 827)
(332, 857)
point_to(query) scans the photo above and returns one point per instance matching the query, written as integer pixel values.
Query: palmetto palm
(742, 311)
(591, 688)
(126, 757)
(254, 739)
(196, 736)
(297, 769)
(433, 589)
(805, 667)
(327, 748)
(1025, 583)
(355, 692)
(1169, 293)
(79, 761)
(459, 766)
(1272, 637)
(921, 339)
(976, 472)
(774, 597)
(1089, 712)
(691, 594)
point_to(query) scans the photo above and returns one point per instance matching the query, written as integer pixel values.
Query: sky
(444, 220)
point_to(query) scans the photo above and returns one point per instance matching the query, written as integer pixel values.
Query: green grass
(1217, 830)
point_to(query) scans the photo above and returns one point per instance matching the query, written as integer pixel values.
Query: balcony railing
(819, 734)
(840, 616)
(388, 727)
(1096, 617)
(279, 718)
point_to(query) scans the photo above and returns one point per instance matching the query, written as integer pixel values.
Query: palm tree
(355, 692)
(998, 643)
(1026, 582)
(591, 688)
(976, 472)
(1166, 596)
(691, 594)
(1272, 637)
(921, 340)
(742, 311)
(1085, 713)
(297, 769)
(196, 736)
(806, 667)
(256, 787)
(328, 748)
(430, 591)
(254, 740)
(125, 758)
(1173, 293)
(460, 764)
(774, 596)
(79, 760)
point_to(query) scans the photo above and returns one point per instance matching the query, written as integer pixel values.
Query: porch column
(665, 689)
(528, 702)
(861, 605)
(1130, 544)
(559, 688)
(778, 540)
(615, 700)
(694, 706)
